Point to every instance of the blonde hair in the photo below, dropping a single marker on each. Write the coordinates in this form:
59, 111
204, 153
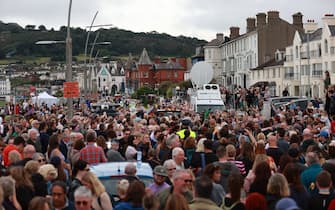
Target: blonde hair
32, 167
14, 156
46, 169
97, 187
122, 188
200, 145
260, 136
278, 185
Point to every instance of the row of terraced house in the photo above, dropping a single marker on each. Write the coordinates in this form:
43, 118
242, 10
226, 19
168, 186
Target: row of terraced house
276, 53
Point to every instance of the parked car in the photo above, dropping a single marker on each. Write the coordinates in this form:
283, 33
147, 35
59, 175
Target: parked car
302, 103
272, 103
111, 173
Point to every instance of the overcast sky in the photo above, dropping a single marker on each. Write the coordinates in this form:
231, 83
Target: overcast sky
195, 18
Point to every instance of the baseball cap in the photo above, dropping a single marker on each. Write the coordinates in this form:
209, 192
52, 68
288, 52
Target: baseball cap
160, 170
287, 204
324, 133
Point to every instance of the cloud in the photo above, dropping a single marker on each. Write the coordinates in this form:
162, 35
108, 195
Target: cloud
196, 18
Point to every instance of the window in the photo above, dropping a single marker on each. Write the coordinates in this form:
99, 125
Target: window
326, 46
333, 67
296, 52
273, 73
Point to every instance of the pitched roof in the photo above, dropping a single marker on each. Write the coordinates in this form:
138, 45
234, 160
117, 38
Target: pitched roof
169, 65
315, 35
217, 42
271, 62
332, 29
130, 64
144, 59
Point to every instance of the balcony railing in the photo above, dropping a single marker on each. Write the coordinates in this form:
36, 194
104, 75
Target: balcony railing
317, 73
315, 54
303, 55
291, 76
289, 57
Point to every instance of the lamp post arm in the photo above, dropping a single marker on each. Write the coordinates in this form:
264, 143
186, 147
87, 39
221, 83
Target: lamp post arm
92, 48
85, 63
88, 35
89, 62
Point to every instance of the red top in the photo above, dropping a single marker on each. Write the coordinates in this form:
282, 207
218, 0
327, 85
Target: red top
8, 148
92, 154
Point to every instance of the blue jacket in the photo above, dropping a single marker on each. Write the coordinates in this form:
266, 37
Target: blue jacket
127, 206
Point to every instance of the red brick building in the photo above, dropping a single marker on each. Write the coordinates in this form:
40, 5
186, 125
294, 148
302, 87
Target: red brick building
145, 72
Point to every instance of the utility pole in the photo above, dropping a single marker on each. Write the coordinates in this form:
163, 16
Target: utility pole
69, 62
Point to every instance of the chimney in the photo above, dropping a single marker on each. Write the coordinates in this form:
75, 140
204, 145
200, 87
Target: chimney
251, 24
328, 19
310, 26
261, 19
273, 17
234, 32
219, 36
157, 60
297, 20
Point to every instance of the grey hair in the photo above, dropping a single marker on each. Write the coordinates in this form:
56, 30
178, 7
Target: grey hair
91, 135
37, 155
30, 131
176, 151
130, 169
177, 174
7, 183
170, 139
83, 191
168, 163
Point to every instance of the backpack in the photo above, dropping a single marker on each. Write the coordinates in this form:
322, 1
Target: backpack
224, 207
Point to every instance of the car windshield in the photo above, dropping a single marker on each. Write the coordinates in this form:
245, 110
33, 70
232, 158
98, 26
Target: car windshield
111, 183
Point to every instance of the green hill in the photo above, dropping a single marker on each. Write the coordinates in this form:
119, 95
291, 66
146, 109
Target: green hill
18, 41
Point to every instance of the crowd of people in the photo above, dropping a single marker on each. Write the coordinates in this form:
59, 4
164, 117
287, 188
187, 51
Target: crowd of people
226, 159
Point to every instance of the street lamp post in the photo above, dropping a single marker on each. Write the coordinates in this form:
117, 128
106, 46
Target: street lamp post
69, 61
85, 64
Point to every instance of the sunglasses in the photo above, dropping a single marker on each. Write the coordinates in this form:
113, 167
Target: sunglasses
41, 160
188, 180
79, 203
170, 169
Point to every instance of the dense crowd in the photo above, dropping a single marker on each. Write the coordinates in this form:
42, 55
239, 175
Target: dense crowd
227, 159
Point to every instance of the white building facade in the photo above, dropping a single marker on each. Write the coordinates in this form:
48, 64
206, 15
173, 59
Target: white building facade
5, 88
213, 56
110, 79
310, 55
238, 57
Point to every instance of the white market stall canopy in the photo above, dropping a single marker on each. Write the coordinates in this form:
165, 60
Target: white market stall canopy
45, 98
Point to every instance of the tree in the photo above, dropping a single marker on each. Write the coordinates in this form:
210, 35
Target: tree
30, 27
163, 87
42, 28
143, 91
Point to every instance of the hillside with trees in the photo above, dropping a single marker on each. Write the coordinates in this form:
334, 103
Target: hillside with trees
18, 41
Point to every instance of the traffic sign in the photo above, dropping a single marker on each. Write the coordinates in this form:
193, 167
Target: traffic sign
71, 90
